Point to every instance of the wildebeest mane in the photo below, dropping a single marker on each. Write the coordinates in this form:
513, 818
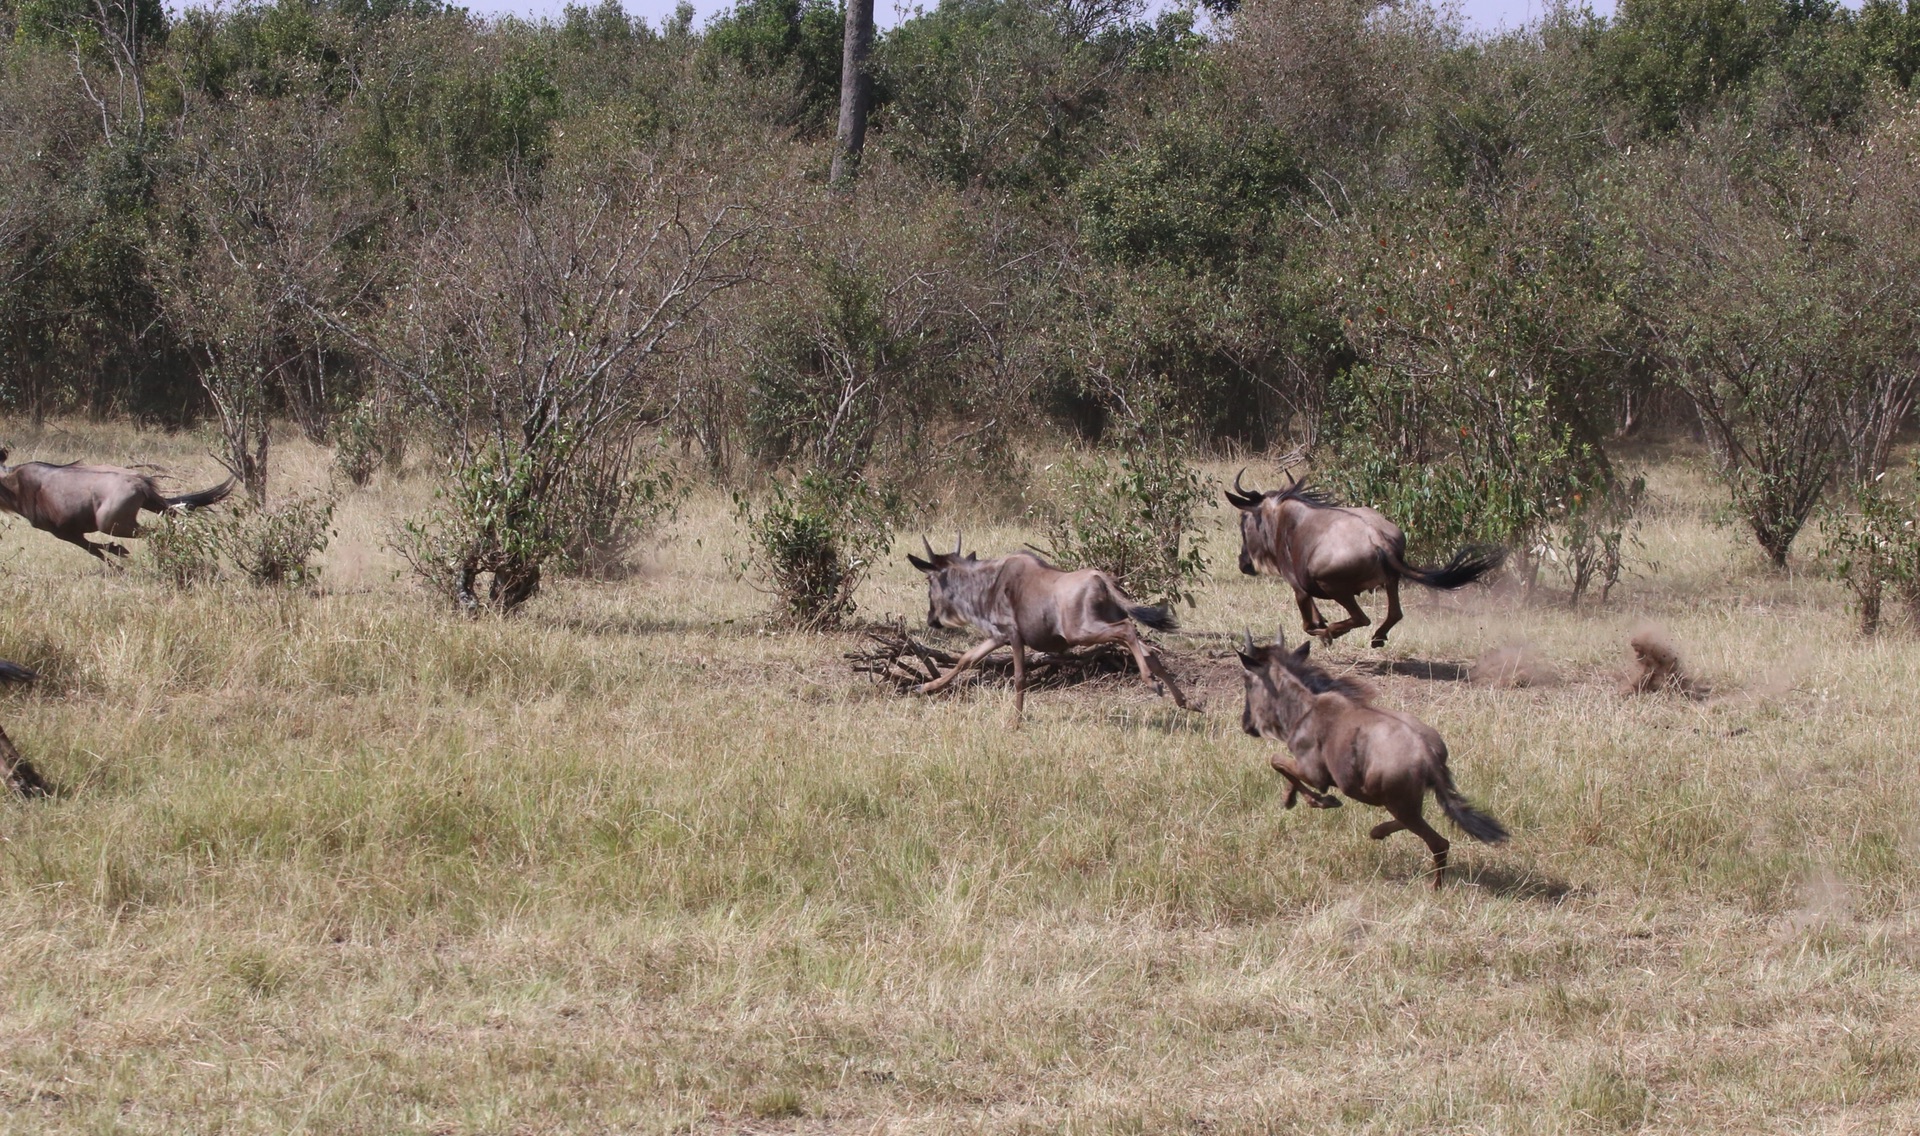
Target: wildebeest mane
1315, 677
1307, 495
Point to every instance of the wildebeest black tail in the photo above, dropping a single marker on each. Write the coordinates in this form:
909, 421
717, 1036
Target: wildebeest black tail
203, 498
14, 672
1466, 566
1158, 618
1460, 811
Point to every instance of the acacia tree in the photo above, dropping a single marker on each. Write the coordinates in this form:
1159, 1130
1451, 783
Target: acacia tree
536, 327
251, 234
1784, 313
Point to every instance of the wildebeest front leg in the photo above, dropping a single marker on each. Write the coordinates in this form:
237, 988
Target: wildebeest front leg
1019, 678
980, 651
1355, 618
1310, 617
1297, 784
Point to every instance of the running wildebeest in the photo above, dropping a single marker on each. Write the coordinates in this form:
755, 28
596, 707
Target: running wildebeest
73, 500
1334, 736
1328, 551
1021, 601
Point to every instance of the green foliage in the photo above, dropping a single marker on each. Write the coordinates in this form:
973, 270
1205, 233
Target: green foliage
365, 437
185, 548
496, 519
273, 546
1133, 517
814, 538
1195, 194
1873, 547
800, 39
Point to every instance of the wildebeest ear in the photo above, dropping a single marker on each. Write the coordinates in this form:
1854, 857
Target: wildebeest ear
973, 556
3, 455
1251, 662
923, 565
1301, 651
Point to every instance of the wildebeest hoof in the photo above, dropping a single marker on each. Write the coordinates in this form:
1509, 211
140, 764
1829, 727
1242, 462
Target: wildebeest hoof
118, 549
1326, 801
1378, 642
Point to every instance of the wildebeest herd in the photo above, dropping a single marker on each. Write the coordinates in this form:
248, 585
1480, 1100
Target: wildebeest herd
1334, 737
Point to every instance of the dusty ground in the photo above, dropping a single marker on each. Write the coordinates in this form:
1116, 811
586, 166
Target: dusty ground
637, 862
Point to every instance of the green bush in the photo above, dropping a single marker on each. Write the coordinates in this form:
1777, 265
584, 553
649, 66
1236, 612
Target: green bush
1132, 518
814, 539
497, 519
185, 549
269, 545
1872, 548
275, 545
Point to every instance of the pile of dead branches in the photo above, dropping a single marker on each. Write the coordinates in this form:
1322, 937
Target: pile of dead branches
891, 655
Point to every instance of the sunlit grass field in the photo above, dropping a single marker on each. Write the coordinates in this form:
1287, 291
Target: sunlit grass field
637, 861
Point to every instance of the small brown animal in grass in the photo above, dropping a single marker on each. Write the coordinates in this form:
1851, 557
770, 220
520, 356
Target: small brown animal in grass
1656, 667
1335, 737
1021, 601
1327, 551
73, 500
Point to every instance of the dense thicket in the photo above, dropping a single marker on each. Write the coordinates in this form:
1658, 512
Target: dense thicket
1455, 266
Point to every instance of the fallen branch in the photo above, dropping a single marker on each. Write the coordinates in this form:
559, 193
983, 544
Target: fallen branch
892, 656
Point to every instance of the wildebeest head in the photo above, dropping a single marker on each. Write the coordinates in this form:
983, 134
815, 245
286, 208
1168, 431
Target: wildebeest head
1280, 681
1265, 524
1253, 522
945, 607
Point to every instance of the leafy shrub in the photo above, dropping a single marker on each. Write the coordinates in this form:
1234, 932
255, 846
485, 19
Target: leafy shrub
1132, 518
366, 437
497, 520
1872, 548
275, 545
185, 549
271, 546
610, 498
814, 539
1588, 541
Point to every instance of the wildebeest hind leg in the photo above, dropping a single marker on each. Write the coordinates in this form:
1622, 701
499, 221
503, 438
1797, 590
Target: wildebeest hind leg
1393, 612
980, 651
1355, 618
97, 550
1436, 843
1151, 668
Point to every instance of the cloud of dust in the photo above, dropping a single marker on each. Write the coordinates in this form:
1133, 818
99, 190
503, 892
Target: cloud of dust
1512, 667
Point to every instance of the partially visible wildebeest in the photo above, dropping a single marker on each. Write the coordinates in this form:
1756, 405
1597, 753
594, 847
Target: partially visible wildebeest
1335, 737
73, 500
1328, 551
1021, 601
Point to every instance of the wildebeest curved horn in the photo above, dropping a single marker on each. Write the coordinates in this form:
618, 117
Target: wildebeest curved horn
1280, 635
1251, 647
956, 542
1240, 497
931, 554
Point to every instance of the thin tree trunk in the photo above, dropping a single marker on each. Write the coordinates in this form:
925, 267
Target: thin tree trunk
856, 91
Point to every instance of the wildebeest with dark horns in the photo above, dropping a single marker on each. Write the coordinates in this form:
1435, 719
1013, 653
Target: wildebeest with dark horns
1328, 551
1021, 601
1334, 736
73, 500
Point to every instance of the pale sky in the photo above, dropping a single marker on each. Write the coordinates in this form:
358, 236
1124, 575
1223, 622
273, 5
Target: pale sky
1483, 15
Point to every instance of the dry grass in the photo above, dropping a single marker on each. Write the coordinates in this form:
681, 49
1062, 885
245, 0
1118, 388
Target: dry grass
635, 863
